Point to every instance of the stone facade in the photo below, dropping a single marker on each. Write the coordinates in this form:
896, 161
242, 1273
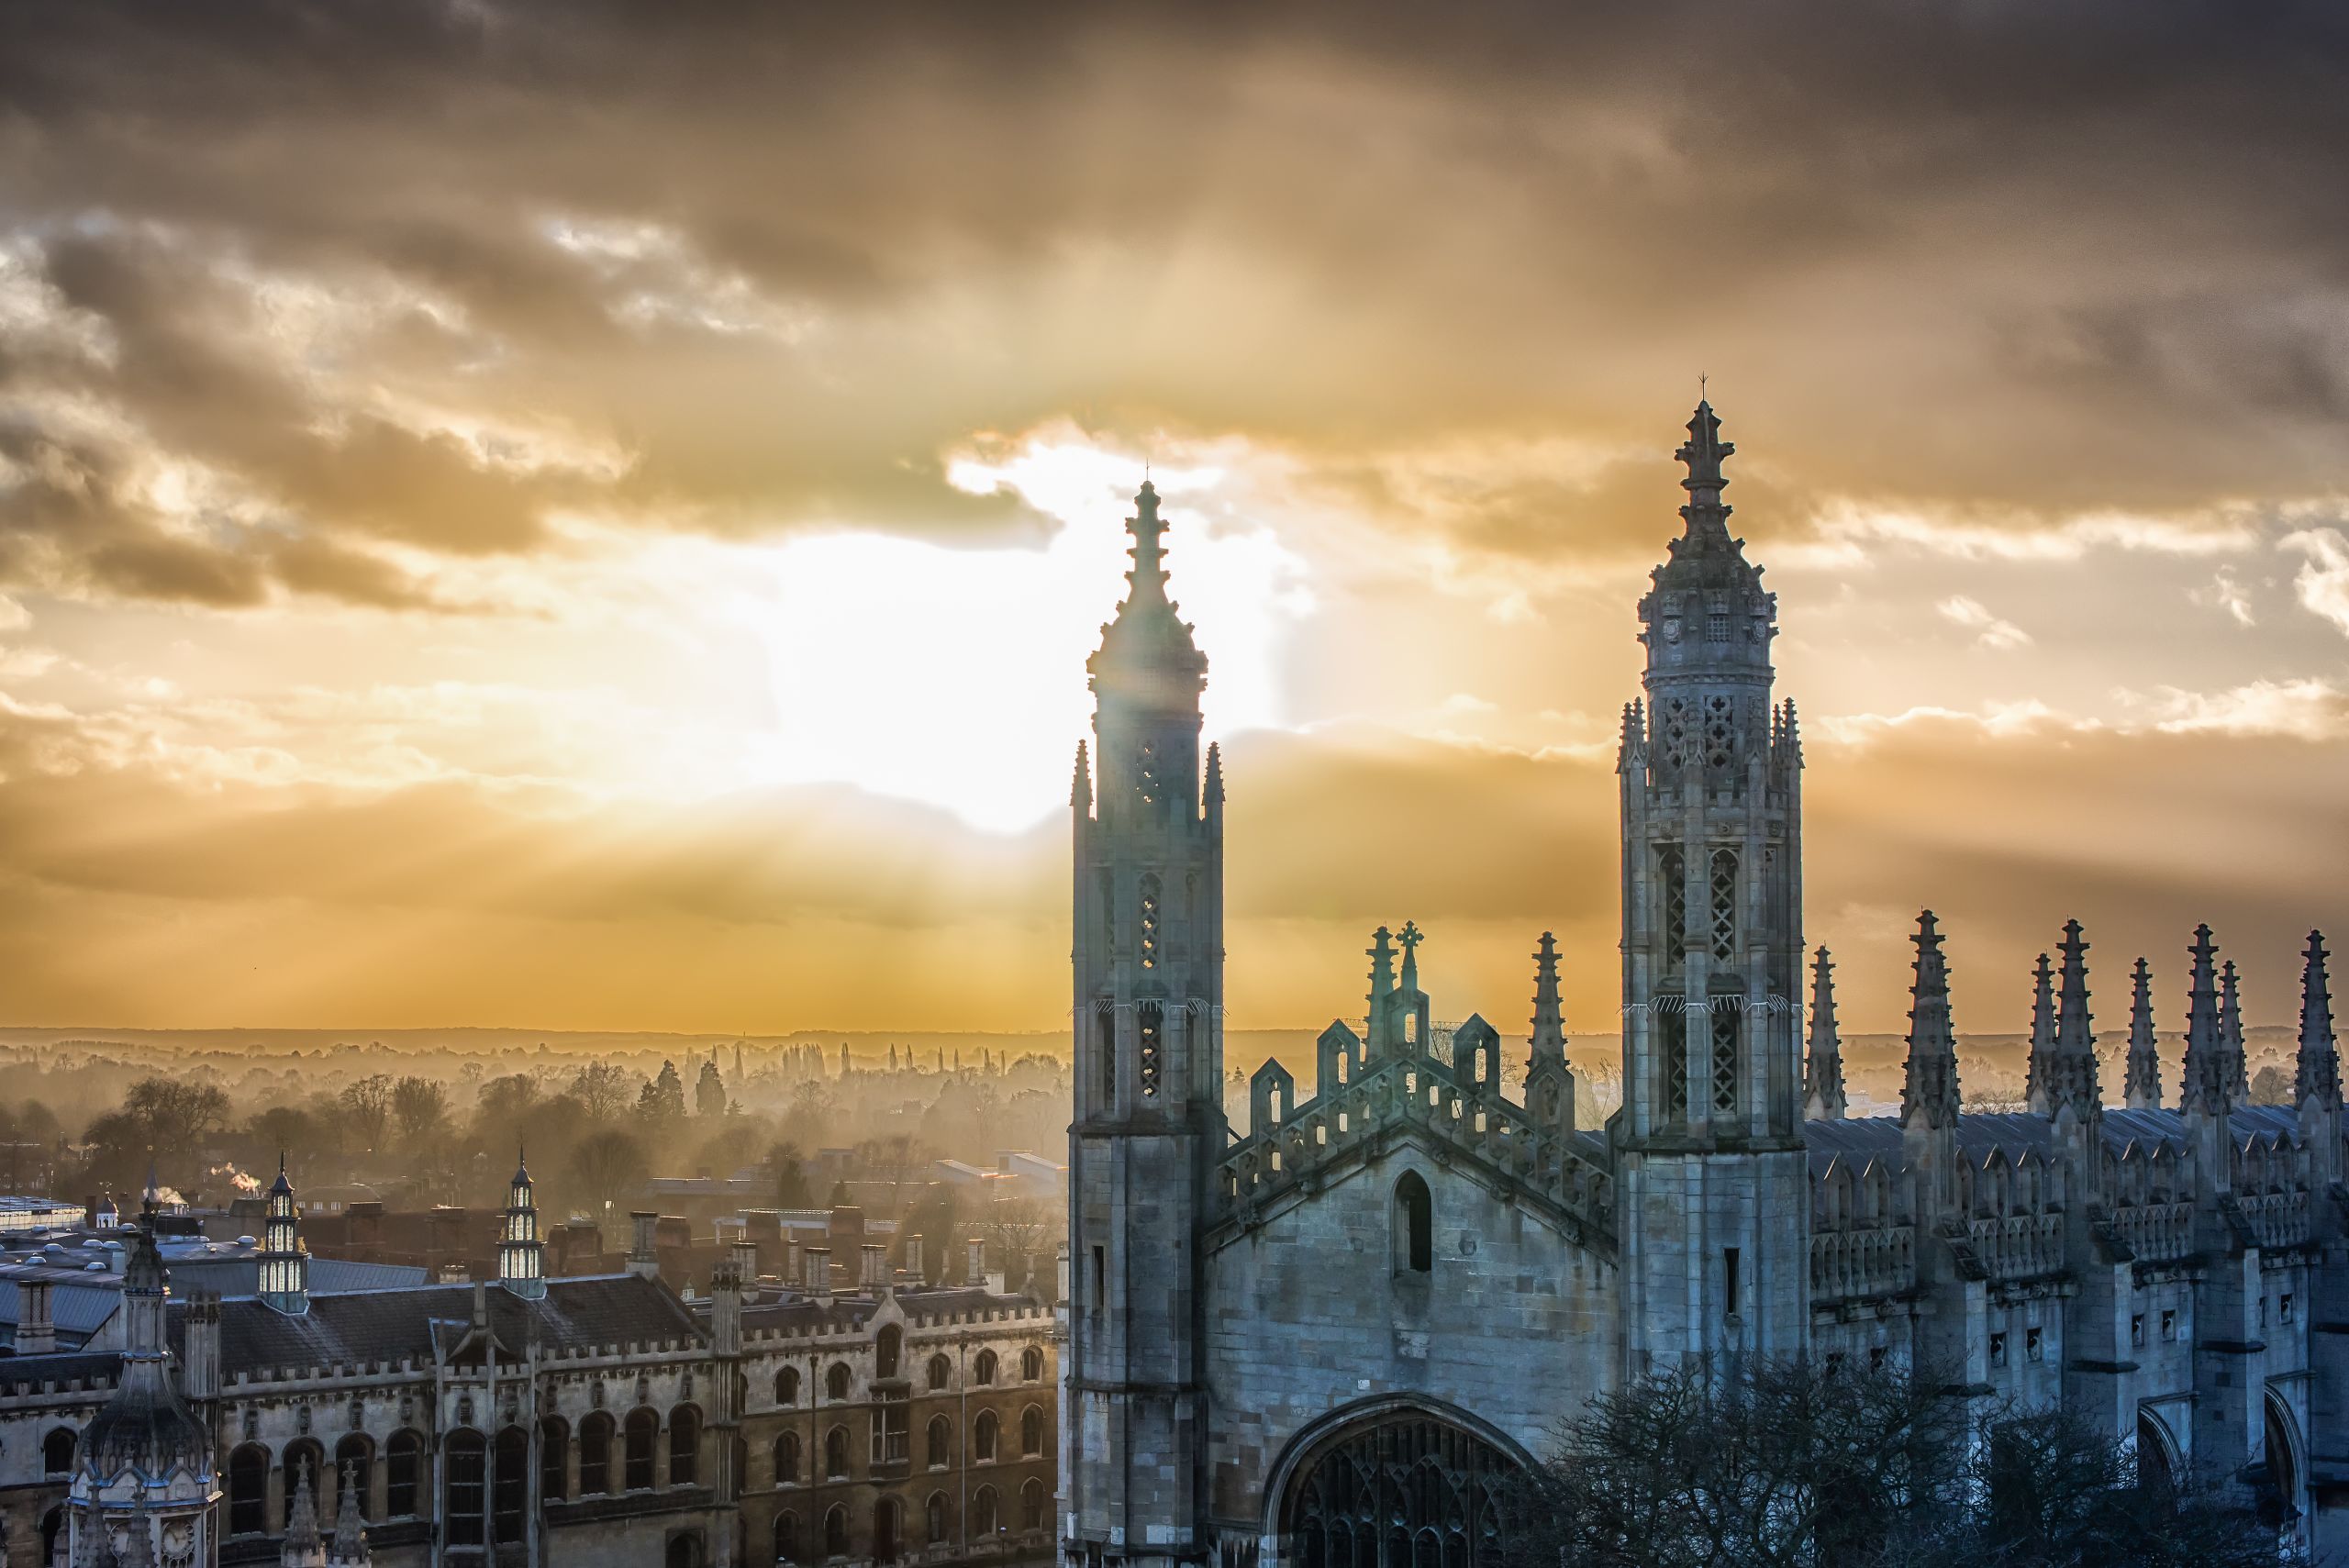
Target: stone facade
598, 1420
1318, 1337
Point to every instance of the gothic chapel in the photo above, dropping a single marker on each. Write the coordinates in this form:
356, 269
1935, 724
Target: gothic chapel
1324, 1338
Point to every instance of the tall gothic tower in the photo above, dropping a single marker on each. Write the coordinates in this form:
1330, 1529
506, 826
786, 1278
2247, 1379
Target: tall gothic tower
1148, 954
1716, 1201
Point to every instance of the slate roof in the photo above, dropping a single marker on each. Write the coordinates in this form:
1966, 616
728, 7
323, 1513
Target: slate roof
793, 1313
329, 1276
1862, 1139
587, 1313
89, 1368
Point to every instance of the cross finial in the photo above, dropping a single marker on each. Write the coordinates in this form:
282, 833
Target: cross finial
1411, 936
1701, 379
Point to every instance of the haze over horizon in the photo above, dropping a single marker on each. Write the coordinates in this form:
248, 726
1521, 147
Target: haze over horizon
516, 515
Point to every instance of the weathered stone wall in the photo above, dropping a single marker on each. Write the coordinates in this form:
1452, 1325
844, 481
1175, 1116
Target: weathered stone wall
1306, 1313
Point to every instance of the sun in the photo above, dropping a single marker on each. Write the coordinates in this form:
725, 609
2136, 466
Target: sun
956, 677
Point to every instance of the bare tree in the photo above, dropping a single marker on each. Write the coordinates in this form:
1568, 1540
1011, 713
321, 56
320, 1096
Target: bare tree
606, 1167
367, 1109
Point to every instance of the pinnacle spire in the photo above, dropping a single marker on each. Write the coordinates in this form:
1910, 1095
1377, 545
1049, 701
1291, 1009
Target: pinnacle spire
350, 1523
2037, 1089
2142, 1086
1080, 783
2230, 1031
1149, 576
1548, 1042
1703, 452
2319, 1069
1215, 773
2071, 1075
1929, 1090
1823, 1096
2207, 1084
302, 1517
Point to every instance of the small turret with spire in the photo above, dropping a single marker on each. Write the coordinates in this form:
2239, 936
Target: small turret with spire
1929, 1093
2317, 1070
2069, 1074
2143, 1085
522, 1256
1547, 1041
2207, 1084
283, 1281
2040, 1072
349, 1548
1823, 1096
304, 1546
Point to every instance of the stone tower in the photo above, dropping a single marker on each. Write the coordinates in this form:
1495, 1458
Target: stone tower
1713, 1179
1148, 955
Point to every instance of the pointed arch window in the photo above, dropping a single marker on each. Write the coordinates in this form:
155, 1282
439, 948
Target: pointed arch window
1153, 893
1672, 1045
1150, 1022
1413, 1223
1724, 892
1672, 876
1728, 1020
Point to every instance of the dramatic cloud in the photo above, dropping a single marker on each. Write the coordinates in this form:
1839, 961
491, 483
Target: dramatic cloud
570, 513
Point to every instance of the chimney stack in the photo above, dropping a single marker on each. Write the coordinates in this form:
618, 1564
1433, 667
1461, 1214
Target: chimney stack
975, 1266
876, 1267
746, 1260
35, 1328
200, 1351
914, 1275
643, 1254
818, 1264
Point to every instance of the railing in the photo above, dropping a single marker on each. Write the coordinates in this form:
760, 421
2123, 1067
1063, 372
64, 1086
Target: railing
2278, 1220
1414, 1090
2022, 1246
2156, 1232
1880, 1260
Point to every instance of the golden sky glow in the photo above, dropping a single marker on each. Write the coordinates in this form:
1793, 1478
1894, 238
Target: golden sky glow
514, 515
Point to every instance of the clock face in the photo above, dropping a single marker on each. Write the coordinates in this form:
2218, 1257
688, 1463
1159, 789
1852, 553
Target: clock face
178, 1536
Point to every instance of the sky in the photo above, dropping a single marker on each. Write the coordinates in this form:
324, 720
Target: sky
592, 515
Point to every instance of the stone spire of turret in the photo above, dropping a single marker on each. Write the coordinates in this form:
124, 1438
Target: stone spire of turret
2317, 1073
1080, 783
2207, 1084
350, 1549
303, 1546
1548, 1040
1409, 938
2142, 1086
1381, 952
1929, 1093
1823, 1078
2231, 1033
2071, 1077
1214, 774
1703, 452
2040, 1071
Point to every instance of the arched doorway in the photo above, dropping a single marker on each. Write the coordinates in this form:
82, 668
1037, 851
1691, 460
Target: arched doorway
1395, 1486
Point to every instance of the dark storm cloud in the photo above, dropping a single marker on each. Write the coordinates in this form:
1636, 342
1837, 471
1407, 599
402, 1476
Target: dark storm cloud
1988, 255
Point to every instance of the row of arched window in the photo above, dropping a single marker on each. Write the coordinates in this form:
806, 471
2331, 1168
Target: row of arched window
614, 1456
938, 1450
839, 1382
889, 1544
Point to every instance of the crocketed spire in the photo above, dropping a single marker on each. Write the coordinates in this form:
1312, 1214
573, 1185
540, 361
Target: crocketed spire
2207, 1085
2319, 1069
2041, 1068
1214, 774
351, 1548
1548, 1040
302, 1518
1080, 783
1928, 1094
2143, 1086
1707, 614
1823, 1079
2231, 1033
1148, 655
2071, 1073
1381, 952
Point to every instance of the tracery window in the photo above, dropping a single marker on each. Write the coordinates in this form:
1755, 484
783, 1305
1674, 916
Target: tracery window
1672, 1044
1724, 891
1153, 891
1672, 876
510, 1494
1403, 1490
786, 1459
466, 1456
1149, 1023
1105, 1047
1031, 1365
786, 1386
1727, 1019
